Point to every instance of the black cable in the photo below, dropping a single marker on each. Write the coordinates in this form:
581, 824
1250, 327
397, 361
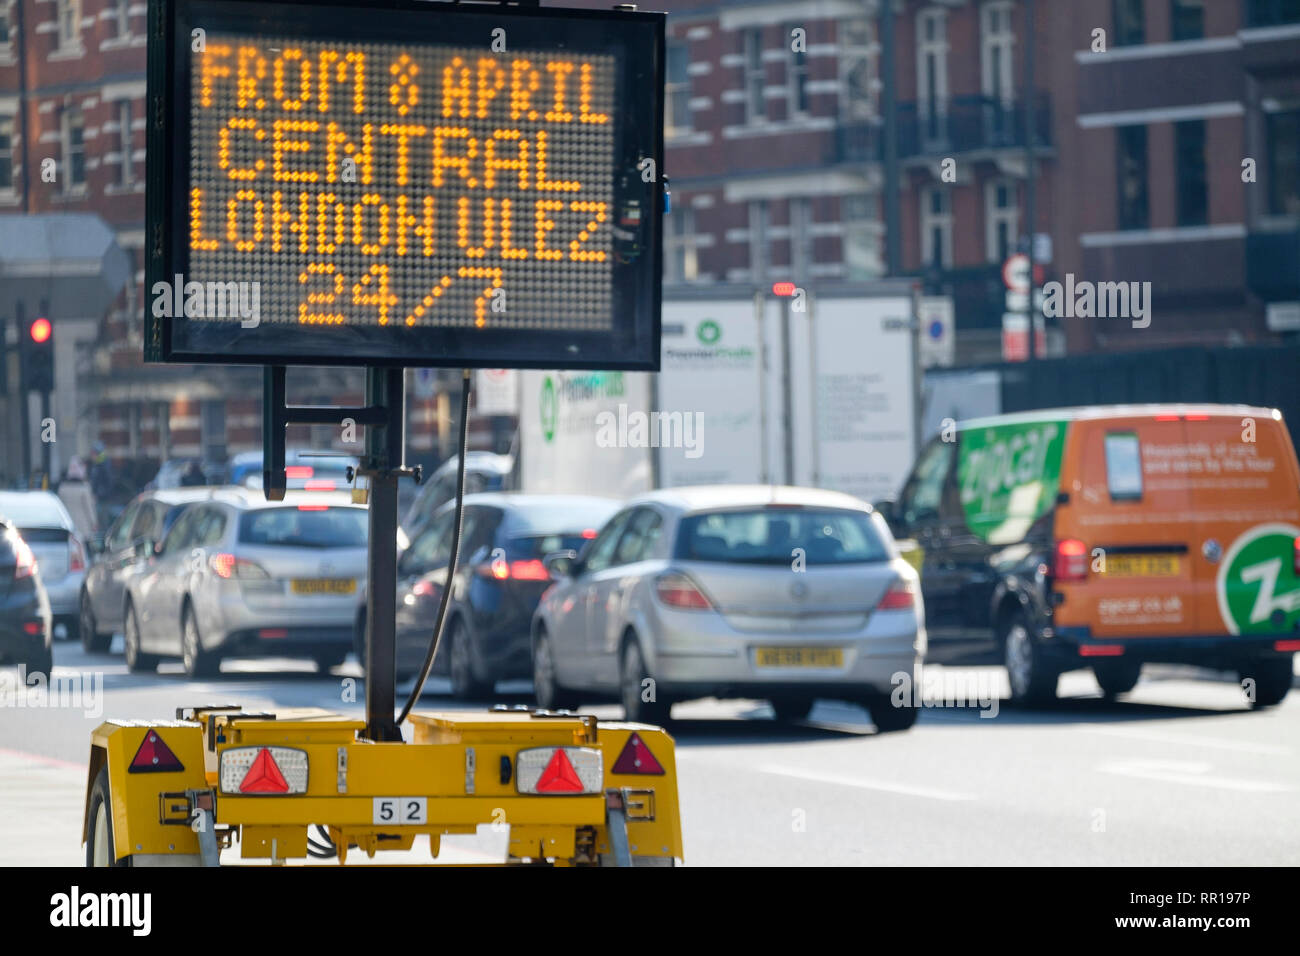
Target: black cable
455, 550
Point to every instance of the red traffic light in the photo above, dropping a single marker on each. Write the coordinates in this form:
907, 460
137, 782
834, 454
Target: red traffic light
40, 330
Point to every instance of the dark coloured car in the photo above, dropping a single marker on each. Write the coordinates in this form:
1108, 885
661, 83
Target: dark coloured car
500, 579
484, 471
26, 627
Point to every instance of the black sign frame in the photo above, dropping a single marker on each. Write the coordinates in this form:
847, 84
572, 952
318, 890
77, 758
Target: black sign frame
633, 341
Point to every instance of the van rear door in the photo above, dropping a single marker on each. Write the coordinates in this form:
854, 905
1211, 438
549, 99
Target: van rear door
1130, 503
1245, 490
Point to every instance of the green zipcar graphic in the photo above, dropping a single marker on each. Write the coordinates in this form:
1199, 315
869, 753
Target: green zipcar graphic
1008, 476
1257, 587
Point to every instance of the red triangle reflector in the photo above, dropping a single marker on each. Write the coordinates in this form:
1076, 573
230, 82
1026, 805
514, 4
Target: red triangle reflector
154, 756
264, 776
559, 776
636, 758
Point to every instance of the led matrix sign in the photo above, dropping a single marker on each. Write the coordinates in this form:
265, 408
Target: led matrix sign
405, 184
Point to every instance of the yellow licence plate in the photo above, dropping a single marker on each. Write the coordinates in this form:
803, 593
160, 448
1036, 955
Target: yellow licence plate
799, 657
1142, 566
324, 585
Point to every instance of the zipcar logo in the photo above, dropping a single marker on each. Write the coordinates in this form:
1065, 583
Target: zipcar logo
1257, 587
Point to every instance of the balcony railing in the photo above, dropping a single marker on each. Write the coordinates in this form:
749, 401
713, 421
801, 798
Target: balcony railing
957, 125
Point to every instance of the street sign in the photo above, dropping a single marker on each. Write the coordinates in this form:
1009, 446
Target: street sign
1015, 337
938, 340
1015, 272
404, 183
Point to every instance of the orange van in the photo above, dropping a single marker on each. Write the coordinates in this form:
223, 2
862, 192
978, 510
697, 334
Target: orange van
1109, 537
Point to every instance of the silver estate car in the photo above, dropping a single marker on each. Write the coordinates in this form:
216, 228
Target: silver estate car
787, 594
239, 576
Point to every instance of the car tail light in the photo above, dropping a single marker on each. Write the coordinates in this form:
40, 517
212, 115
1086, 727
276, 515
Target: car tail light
559, 770
313, 507
269, 771
635, 757
678, 590
901, 596
1071, 560
589, 533
318, 484
154, 756
229, 566
503, 570
26, 561
32, 628
76, 555
424, 588
298, 471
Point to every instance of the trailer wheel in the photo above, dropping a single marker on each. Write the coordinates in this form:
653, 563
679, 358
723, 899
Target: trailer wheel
99, 825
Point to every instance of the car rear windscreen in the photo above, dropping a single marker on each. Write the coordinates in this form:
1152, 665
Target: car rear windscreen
780, 536
305, 526
540, 545
559, 517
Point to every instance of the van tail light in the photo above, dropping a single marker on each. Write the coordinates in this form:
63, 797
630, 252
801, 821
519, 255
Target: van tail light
901, 596
1071, 560
678, 590
500, 569
76, 555
1295, 556
25, 565
228, 566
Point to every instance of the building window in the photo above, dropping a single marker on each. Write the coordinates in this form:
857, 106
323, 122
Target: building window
124, 141
677, 89
1189, 168
1283, 131
997, 37
681, 259
863, 231
74, 148
936, 228
755, 107
796, 75
122, 17
1001, 220
800, 237
1187, 19
6, 154
4, 23
858, 69
932, 71
1130, 29
758, 258
69, 13
1271, 13
1131, 176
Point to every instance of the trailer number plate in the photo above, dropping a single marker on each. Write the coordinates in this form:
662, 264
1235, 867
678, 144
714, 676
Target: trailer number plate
401, 810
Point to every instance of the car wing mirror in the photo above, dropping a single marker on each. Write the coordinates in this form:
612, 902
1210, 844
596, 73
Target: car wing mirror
561, 564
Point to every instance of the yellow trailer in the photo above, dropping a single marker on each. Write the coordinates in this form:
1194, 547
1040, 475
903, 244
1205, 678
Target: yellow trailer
286, 786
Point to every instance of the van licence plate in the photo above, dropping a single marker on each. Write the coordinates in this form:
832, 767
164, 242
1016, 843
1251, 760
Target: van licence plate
1142, 566
799, 657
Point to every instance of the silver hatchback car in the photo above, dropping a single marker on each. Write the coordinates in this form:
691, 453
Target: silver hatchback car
788, 594
241, 576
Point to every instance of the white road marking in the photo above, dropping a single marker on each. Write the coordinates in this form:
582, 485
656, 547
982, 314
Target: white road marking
1185, 772
1222, 743
883, 785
